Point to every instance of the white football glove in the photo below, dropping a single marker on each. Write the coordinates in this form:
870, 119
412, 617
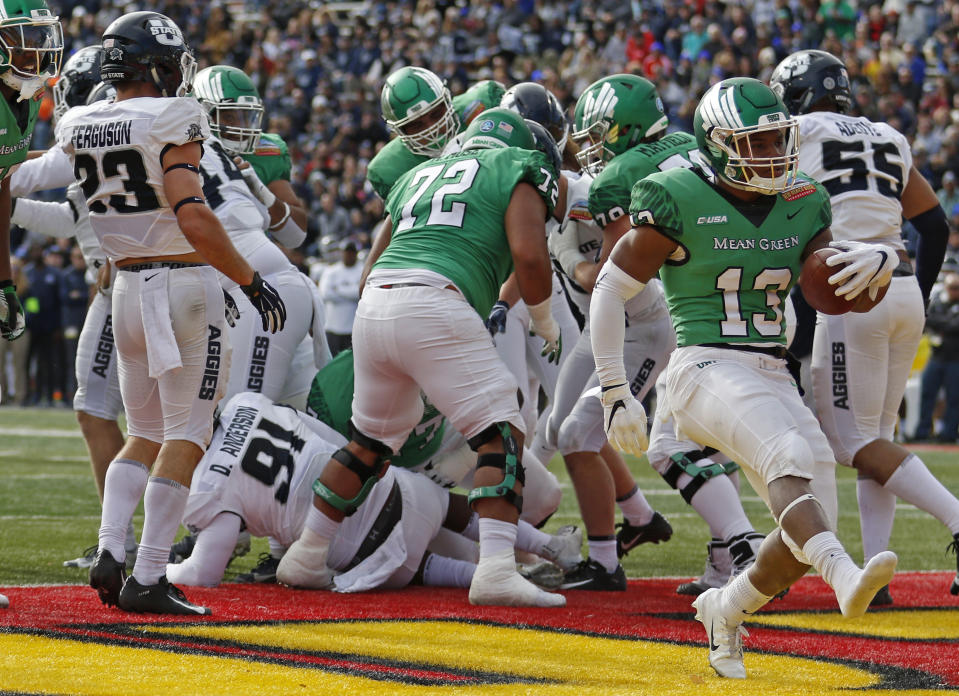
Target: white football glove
257, 187
624, 420
552, 340
867, 266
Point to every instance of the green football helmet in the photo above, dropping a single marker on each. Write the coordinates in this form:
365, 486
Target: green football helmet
727, 119
496, 128
233, 106
31, 45
413, 93
613, 115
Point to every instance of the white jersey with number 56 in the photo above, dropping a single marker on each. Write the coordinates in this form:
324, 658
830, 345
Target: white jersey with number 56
864, 167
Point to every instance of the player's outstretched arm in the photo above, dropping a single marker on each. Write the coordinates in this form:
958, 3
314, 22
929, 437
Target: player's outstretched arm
214, 547
526, 233
202, 228
920, 206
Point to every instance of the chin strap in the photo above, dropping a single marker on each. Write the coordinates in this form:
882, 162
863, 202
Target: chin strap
27, 87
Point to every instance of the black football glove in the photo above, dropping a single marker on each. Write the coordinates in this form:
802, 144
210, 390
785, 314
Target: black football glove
12, 322
496, 322
267, 301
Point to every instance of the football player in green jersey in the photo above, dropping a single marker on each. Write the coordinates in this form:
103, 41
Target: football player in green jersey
418, 108
621, 121
235, 110
456, 228
31, 46
728, 242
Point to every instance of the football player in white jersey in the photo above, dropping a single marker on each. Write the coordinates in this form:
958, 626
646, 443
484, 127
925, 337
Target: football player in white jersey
138, 163
258, 472
861, 360
97, 401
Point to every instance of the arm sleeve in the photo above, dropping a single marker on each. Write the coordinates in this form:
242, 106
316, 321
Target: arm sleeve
563, 244
44, 217
49, 171
933, 231
214, 546
607, 321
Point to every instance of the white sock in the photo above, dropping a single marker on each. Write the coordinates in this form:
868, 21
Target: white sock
740, 598
495, 537
320, 524
471, 531
528, 538
123, 488
915, 484
717, 502
440, 571
163, 504
276, 549
636, 509
603, 551
877, 510
130, 543
827, 555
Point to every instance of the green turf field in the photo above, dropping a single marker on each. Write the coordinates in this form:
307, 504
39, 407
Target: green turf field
49, 510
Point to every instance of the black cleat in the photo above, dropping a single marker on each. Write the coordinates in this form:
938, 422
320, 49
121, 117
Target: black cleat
265, 570
106, 577
654, 531
882, 598
181, 550
591, 575
162, 598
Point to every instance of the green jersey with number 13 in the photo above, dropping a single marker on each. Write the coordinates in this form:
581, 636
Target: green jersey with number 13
737, 260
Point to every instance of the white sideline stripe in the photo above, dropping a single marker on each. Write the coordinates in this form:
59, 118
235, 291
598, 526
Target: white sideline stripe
48, 518
40, 432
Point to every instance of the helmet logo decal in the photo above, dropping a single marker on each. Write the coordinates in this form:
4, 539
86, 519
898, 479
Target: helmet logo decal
828, 83
505, 127
165, 32
601, 104
487, 126
116, 54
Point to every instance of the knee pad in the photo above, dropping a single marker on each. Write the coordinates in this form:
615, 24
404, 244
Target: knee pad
507, 461
696, 464
368, 475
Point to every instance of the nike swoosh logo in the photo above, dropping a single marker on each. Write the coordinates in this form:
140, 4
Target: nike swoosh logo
790, 216
571, 585
712, 643
146, 278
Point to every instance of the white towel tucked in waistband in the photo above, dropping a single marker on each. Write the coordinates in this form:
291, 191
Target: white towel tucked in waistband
163, 353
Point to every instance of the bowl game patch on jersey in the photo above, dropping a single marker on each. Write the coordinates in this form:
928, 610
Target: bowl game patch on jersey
797, 192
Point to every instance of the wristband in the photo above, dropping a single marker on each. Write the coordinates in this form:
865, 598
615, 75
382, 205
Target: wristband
540, 313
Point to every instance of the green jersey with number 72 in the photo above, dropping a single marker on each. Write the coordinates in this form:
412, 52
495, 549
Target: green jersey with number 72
736, 262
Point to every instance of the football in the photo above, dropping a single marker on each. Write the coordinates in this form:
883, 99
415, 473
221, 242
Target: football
864, 304
814, 282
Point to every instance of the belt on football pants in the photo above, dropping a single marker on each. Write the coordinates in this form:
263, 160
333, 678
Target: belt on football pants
382, 526
389, 286
781, 352
903, 269
153, 265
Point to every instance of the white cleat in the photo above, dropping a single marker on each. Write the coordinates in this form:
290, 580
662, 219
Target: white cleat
4, 602
854, 601
725, 641
565, 547
304, 563
497, 583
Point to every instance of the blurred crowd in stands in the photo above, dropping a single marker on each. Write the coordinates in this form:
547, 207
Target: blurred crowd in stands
319, 67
